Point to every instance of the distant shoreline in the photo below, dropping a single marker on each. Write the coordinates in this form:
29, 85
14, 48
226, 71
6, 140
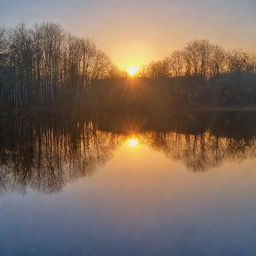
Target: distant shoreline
231, 108
164, 110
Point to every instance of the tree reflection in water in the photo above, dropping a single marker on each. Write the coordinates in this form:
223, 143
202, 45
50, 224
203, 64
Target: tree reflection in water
45, 153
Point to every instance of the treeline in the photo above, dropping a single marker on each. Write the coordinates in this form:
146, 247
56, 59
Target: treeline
203, 59
205, 73
45, 65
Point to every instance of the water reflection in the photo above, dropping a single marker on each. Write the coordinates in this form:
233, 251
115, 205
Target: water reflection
45, 153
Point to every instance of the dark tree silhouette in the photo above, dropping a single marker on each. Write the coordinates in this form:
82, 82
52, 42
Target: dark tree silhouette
45, 65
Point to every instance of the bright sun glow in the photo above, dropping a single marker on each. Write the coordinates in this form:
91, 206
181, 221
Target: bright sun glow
133, 142
133, 70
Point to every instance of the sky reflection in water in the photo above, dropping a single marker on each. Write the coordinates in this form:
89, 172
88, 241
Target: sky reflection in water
143, 197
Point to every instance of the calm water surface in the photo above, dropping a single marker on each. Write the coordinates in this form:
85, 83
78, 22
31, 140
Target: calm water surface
183, 186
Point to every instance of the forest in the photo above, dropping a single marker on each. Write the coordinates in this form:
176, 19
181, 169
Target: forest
44, 66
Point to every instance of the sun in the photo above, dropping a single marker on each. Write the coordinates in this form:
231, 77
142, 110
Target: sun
133, 142
132, 70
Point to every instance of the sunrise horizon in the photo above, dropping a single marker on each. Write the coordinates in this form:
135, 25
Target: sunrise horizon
127, 30
127, 127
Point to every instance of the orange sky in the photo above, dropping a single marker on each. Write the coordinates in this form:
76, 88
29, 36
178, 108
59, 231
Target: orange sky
136, 32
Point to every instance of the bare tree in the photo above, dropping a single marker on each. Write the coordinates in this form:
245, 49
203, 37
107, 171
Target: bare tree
218, 61
45, 63
175, 62
239, 61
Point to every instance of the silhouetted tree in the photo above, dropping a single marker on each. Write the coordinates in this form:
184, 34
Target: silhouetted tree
44, 64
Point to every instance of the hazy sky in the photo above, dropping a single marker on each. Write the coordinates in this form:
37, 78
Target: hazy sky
139, 31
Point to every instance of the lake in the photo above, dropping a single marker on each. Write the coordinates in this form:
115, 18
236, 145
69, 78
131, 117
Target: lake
115, 184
